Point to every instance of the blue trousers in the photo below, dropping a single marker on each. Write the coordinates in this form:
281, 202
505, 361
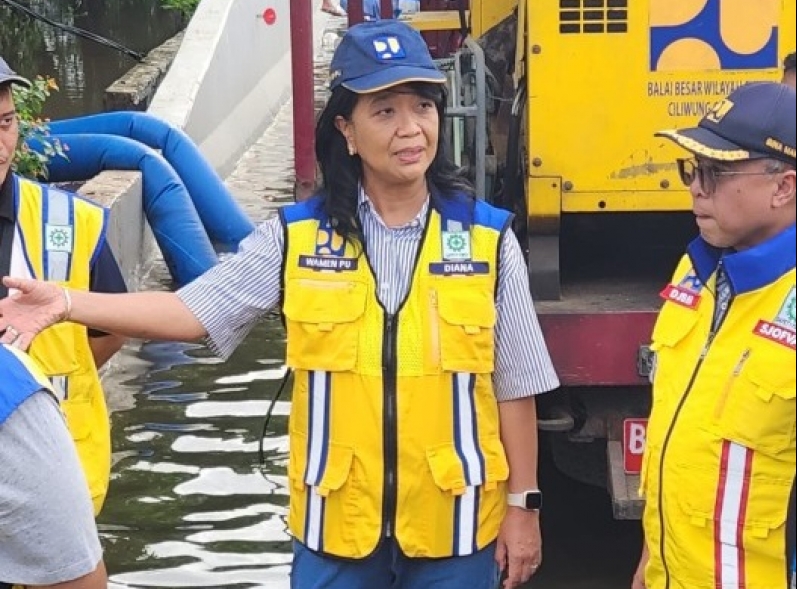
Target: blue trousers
388, 568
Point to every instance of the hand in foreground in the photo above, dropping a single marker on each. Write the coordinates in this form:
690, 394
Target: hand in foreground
36, 306
519, 548
638, 581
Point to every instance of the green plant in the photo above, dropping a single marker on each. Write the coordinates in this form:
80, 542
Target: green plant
33, 163
185, 7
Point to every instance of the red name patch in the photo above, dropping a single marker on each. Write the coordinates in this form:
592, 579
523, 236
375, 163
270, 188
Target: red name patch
680, 296
776, 333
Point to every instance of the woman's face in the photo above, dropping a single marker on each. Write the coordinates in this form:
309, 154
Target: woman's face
395, 133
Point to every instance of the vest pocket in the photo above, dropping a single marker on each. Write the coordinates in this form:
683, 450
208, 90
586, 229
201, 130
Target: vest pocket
756, 407
323, 320
54, 350
466, 329
454, 469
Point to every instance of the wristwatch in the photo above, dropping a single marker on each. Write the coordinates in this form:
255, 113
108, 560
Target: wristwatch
530, 500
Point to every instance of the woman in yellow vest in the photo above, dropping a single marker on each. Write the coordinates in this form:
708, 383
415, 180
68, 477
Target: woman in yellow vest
411, 333
719, 466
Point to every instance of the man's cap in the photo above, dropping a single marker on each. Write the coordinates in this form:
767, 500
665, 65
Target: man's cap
757, 120
9, 75
376, 55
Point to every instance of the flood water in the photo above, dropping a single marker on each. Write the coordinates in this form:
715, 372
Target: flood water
81, 68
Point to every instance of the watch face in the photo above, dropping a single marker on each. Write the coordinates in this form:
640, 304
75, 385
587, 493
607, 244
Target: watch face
533, 500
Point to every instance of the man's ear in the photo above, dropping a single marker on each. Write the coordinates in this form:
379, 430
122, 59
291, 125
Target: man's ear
785, 194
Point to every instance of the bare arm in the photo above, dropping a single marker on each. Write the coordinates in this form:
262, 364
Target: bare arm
144, 315
519, 548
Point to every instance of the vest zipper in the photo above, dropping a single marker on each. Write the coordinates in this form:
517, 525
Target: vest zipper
390, 441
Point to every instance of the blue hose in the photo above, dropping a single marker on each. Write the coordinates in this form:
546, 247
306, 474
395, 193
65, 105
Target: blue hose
168, 207
223, 219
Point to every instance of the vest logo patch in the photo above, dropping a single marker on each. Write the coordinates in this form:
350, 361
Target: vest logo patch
787, 315
781, 330
328, 263
456, 245
459, 268
58, 238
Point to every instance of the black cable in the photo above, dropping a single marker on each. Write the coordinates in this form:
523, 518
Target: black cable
261, 456
75, 30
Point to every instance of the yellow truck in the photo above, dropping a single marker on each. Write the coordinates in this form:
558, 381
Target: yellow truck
554, 108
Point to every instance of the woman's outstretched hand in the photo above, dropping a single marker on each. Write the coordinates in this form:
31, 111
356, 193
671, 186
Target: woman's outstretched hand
33, 308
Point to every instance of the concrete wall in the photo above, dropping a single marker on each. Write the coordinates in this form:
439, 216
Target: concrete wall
129, 235
229, 78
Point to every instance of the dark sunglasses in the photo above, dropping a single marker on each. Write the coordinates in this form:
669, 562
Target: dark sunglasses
707, 174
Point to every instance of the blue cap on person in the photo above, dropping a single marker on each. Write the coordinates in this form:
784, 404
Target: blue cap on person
757, 120
9, 75
373, 56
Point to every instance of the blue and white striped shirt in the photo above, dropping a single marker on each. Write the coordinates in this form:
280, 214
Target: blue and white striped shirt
230, 298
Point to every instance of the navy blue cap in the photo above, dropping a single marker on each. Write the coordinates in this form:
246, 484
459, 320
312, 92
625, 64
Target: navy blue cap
757, 120
376, 55
9, 75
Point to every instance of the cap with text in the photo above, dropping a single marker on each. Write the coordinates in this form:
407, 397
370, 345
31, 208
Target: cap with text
757, 120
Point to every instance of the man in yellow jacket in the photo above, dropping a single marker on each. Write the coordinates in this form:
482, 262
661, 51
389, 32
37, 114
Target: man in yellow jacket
719, 467
53, 235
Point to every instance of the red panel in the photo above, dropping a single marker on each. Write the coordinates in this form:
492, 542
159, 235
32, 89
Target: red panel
597, 349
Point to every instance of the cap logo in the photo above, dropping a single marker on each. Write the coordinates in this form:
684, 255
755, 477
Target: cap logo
718, 112
388, 48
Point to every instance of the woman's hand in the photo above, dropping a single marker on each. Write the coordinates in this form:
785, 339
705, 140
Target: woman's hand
519, 548
36, 306
638, 581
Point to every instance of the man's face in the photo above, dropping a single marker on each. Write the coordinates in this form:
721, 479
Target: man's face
733, 202
9, 131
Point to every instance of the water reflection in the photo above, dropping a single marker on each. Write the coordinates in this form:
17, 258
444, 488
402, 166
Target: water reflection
188, 505
82, 68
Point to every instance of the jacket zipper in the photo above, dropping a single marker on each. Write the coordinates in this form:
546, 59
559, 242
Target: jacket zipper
703, 353
389, 435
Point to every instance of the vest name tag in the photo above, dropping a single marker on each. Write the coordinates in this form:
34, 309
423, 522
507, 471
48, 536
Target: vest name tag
776, 333
328, 263
459, 268
680, 296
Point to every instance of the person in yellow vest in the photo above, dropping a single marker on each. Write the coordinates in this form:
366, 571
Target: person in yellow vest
50, 234
719, 464
48, 536
411, 333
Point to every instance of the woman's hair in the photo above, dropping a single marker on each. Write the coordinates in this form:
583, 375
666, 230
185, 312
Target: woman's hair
341, 173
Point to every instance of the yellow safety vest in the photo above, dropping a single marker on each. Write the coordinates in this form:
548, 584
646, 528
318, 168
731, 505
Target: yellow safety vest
394, 426
61, 233
720, 456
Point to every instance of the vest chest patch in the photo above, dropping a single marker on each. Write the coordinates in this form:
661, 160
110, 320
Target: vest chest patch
459, 268
781, 330
328, 263
58, 238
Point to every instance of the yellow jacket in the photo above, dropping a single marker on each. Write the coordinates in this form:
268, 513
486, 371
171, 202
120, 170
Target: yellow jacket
61, 233
394, 425
720, 456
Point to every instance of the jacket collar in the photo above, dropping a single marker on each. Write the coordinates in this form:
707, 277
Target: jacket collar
749, 269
